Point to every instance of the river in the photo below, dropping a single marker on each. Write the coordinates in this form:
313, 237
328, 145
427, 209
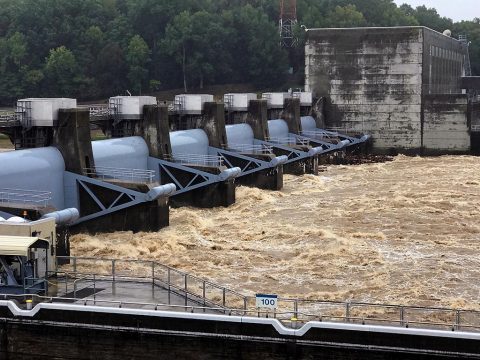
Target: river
405, 232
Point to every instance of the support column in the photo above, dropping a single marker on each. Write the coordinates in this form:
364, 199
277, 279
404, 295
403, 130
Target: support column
291, 115
213, 123
154, 129
72, 138
257, 118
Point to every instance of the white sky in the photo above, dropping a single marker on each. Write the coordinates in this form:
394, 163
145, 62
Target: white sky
454, 9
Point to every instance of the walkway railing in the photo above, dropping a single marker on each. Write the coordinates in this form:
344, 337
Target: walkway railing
190, 287
39, 199
291, 140
120, 174
209, 295
475, 128
9, 118
195, 159
97, 111
320, 134
251, 149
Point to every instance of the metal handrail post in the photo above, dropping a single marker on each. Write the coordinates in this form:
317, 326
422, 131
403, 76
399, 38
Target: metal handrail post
168, 282
457, 319
113, 270
204, 291
153, 273
347, 311
75, 265
186, 289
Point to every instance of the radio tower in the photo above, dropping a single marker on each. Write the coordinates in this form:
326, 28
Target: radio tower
287, 22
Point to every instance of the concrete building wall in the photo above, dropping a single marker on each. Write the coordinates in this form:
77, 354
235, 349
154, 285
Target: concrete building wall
443, 64
374, 80
445, 128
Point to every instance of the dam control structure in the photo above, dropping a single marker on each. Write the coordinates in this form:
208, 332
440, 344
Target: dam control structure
401, 85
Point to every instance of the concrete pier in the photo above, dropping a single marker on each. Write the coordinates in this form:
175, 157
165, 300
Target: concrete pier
291, 115
257, 118
72, 137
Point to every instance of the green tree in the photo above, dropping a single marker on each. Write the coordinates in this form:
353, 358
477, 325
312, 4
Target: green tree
138, 57
346, 16
60, 72
110, 70
429, 17
177, 37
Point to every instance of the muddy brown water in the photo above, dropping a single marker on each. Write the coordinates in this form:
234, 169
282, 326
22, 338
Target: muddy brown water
406, 232
5, 144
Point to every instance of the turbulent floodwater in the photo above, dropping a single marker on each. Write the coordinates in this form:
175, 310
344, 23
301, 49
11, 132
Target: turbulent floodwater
406, 232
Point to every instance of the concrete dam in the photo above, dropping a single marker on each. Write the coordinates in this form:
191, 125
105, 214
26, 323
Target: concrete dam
215, 229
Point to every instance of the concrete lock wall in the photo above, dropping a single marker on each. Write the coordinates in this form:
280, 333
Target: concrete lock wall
375, 80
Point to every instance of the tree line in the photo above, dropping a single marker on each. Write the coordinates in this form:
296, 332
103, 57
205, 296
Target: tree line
90, 49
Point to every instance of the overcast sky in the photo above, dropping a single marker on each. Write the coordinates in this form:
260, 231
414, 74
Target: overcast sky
453, 9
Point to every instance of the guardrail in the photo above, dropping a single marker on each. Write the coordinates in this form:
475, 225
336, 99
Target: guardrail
251, 149
9, 118
120, 174
320, 134
475, 128
195, 159
219, 298
40, 199
97, 111
291, 140
171, 279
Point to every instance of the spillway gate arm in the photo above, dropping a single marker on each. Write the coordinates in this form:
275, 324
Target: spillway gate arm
95, 198
184, 177
247, 164
291, 153
326, 146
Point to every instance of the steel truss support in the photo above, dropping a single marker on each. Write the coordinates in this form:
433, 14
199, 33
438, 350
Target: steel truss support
247, 164
188, 178
94, 198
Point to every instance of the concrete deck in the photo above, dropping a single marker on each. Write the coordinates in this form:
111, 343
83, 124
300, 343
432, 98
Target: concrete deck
126, 294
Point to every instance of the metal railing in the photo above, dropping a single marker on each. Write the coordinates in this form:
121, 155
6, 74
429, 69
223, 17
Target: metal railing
290, 140
39, 199
475, 128
288, 318
251, 149
190, 287
228, 100
97, 111
9, 118
120, 174
195, 159
179, 104
319, 134
209, 295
